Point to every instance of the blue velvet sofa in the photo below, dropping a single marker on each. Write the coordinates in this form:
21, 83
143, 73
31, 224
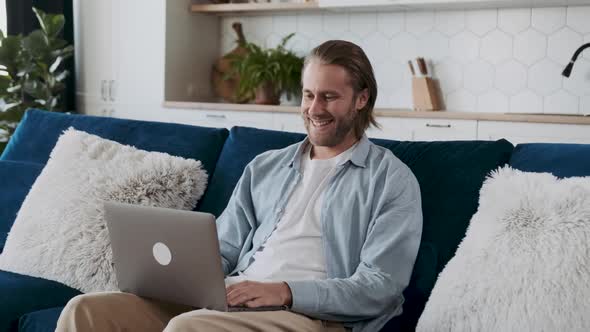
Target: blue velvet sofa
450, 176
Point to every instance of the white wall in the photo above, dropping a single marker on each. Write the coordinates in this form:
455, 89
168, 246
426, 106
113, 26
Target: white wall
3, 16
507, 60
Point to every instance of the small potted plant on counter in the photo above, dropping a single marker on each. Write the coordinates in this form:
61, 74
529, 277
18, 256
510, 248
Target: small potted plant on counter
267, 73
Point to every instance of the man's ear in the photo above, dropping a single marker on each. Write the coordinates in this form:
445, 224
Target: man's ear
362, 99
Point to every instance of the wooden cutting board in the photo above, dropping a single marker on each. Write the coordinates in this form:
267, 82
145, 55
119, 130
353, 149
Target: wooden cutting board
227, 88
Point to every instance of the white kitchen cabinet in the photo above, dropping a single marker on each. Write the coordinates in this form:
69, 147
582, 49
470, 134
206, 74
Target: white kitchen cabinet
119, 54
292, 122
230, 119
92, 105
441, 129
138, 52
391, 128
522, 132
93, 29
407, 129
220, 119
402, 129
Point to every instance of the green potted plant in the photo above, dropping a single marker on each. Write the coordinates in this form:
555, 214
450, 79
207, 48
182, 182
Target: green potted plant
31, 72
267, 73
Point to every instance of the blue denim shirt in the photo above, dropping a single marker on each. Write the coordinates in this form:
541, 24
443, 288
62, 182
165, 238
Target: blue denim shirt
371, 221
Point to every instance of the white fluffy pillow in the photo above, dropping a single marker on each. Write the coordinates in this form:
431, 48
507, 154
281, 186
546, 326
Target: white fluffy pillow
524, 264
60, 232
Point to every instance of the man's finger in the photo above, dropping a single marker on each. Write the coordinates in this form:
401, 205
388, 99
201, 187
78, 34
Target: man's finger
242, 295
258, 302
235, 286
235, 295
242, 299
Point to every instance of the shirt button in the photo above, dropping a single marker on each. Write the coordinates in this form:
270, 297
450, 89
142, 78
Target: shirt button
280, 210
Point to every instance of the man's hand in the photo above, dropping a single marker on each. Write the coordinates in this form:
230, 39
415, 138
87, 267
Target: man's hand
254, 294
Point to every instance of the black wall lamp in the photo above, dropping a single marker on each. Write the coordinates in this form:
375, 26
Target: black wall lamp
568, 69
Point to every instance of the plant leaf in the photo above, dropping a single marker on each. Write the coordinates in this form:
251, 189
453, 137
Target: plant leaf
9, 53
51, 24
62, 76
36, 43
40, 18
56, 25
7, 107
55, 64
14, 88
36, 89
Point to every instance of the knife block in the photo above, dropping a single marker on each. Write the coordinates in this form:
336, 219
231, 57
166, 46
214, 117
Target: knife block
425, 94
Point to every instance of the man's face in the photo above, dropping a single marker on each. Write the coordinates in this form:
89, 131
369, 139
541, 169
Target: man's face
328, 106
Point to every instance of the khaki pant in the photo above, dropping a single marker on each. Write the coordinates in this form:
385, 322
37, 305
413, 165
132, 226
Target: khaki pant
127, 312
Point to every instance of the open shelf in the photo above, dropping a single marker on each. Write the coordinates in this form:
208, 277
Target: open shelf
252, 7
374, 5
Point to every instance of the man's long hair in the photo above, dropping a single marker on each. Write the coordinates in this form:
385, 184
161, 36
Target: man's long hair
354, 60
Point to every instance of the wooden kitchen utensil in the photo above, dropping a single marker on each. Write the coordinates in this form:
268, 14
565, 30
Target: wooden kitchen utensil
425, 92
227, 88
411, 68
422, 66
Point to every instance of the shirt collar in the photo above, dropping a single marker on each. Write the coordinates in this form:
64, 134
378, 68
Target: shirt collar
358, 156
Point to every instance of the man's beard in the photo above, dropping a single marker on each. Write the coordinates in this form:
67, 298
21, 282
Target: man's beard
343, 126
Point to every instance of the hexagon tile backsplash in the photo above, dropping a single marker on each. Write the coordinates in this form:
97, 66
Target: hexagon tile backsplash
505, 60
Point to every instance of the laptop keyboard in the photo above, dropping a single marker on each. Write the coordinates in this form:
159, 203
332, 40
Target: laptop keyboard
242, 308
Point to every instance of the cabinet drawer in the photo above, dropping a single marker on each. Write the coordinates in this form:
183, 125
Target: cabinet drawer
391, 128
292, 122
222, 119
523, 132
91, 105
230, 119
441, 129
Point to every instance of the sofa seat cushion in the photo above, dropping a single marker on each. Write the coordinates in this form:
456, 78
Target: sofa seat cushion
40, 321
16, 179
20, 294
562, 160
38, 132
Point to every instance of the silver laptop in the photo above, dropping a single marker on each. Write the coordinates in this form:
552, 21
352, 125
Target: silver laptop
168, 255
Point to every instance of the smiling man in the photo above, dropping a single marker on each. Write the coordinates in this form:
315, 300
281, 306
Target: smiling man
329, 227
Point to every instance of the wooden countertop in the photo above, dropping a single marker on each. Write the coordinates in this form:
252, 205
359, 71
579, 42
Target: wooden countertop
400, 113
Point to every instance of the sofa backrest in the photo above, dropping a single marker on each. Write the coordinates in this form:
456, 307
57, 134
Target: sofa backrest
16, 178
242, 145
563, 160
38, 132
450, 175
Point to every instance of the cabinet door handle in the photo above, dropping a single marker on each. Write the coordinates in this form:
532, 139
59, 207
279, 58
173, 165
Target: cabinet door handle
103, 90
112, 90
438, 125
215, 116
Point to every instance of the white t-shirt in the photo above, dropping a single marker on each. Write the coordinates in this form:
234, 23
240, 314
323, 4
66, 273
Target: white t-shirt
294, 250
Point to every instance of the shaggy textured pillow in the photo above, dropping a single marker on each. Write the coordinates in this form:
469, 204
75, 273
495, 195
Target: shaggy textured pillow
524, 263
60, 232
